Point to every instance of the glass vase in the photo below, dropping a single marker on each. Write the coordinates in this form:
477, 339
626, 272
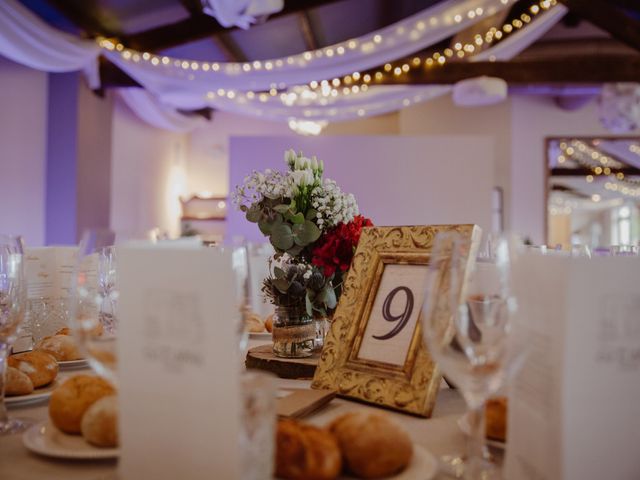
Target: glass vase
294, 333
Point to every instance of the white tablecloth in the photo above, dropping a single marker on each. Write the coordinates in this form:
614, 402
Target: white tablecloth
440, 435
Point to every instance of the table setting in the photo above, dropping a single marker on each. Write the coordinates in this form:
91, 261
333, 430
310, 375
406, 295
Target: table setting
400, 352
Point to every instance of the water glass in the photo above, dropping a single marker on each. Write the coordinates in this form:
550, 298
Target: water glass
467, 323
13, 304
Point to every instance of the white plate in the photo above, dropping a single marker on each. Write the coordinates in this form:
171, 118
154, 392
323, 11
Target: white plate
38, 395
73, 364
463, 424
260, 335
45, 439
423, 466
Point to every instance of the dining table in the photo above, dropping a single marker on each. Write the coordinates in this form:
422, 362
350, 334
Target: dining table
440, 435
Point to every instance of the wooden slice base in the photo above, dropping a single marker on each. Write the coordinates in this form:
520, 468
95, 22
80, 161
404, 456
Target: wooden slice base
262, 358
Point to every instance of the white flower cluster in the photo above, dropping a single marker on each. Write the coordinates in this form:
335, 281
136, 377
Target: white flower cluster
270, 184
333, 205
303, 172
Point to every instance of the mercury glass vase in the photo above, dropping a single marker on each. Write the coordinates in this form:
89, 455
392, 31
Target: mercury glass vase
294, 333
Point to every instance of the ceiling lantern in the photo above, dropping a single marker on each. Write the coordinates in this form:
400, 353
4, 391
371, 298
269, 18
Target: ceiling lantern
479, 92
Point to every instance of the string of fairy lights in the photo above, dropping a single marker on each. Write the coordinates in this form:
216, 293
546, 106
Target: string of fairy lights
601, 166
324, 91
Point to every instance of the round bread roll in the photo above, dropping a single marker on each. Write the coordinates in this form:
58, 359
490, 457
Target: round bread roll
62, 347
253, 323
268, 323
99, 424
72, 399
305, 452
372, 445
17, 383
496, 419
40, 367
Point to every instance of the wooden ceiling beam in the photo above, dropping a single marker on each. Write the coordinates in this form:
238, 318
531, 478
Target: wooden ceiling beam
87, 17
583, 172
200, 26
612, 20
579, 70
308, 32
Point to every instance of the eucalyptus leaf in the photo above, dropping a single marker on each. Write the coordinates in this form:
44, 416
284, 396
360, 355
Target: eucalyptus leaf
265, 227
279, 273
312, 213
306, 233
297, 218
254, 214
282, 236
281, 208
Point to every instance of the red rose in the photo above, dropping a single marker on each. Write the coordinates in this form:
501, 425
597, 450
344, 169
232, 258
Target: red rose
336, 247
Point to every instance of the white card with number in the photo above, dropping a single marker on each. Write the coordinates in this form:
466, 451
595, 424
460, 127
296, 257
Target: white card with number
178, 364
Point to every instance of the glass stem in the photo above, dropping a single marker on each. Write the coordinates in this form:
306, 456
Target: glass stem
4, 350
476, 444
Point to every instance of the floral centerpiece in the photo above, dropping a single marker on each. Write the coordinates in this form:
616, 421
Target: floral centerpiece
314, 228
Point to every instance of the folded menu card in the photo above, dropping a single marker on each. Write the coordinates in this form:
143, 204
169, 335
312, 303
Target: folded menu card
49, 271
178, 364
574, 407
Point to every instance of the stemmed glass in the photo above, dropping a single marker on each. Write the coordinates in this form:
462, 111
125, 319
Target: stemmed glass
467, 325
95, 298
13, 302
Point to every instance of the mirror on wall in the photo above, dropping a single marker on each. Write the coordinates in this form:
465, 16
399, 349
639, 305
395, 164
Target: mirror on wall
593, 192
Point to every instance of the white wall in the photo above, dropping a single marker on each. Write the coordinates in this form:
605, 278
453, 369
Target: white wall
148, 174
23, 139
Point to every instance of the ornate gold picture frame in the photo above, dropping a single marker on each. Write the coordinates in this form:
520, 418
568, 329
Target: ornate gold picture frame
374, 351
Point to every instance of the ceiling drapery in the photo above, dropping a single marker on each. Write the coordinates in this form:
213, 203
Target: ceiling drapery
190, 85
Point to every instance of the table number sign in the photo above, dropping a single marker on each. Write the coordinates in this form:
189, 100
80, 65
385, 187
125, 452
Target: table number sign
374, 351
574, 406
178, 363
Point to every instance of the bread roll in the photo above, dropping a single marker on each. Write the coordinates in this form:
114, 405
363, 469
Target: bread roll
372, 445
496, 419
253, 323
17, 383
99, 424
304, 452
268, 323
72, 399
39, 366
62, 347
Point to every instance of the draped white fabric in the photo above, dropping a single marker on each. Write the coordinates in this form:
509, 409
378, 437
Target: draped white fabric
387, 98
26, 39
151, 111
175, 80
240, 13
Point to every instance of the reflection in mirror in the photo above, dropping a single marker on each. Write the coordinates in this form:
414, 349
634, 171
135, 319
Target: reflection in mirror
593, 192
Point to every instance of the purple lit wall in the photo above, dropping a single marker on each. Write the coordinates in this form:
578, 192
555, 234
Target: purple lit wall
62, 157
398, 180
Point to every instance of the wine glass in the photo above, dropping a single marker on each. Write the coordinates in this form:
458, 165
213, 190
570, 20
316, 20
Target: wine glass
13, 302
467, 319
95, 302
